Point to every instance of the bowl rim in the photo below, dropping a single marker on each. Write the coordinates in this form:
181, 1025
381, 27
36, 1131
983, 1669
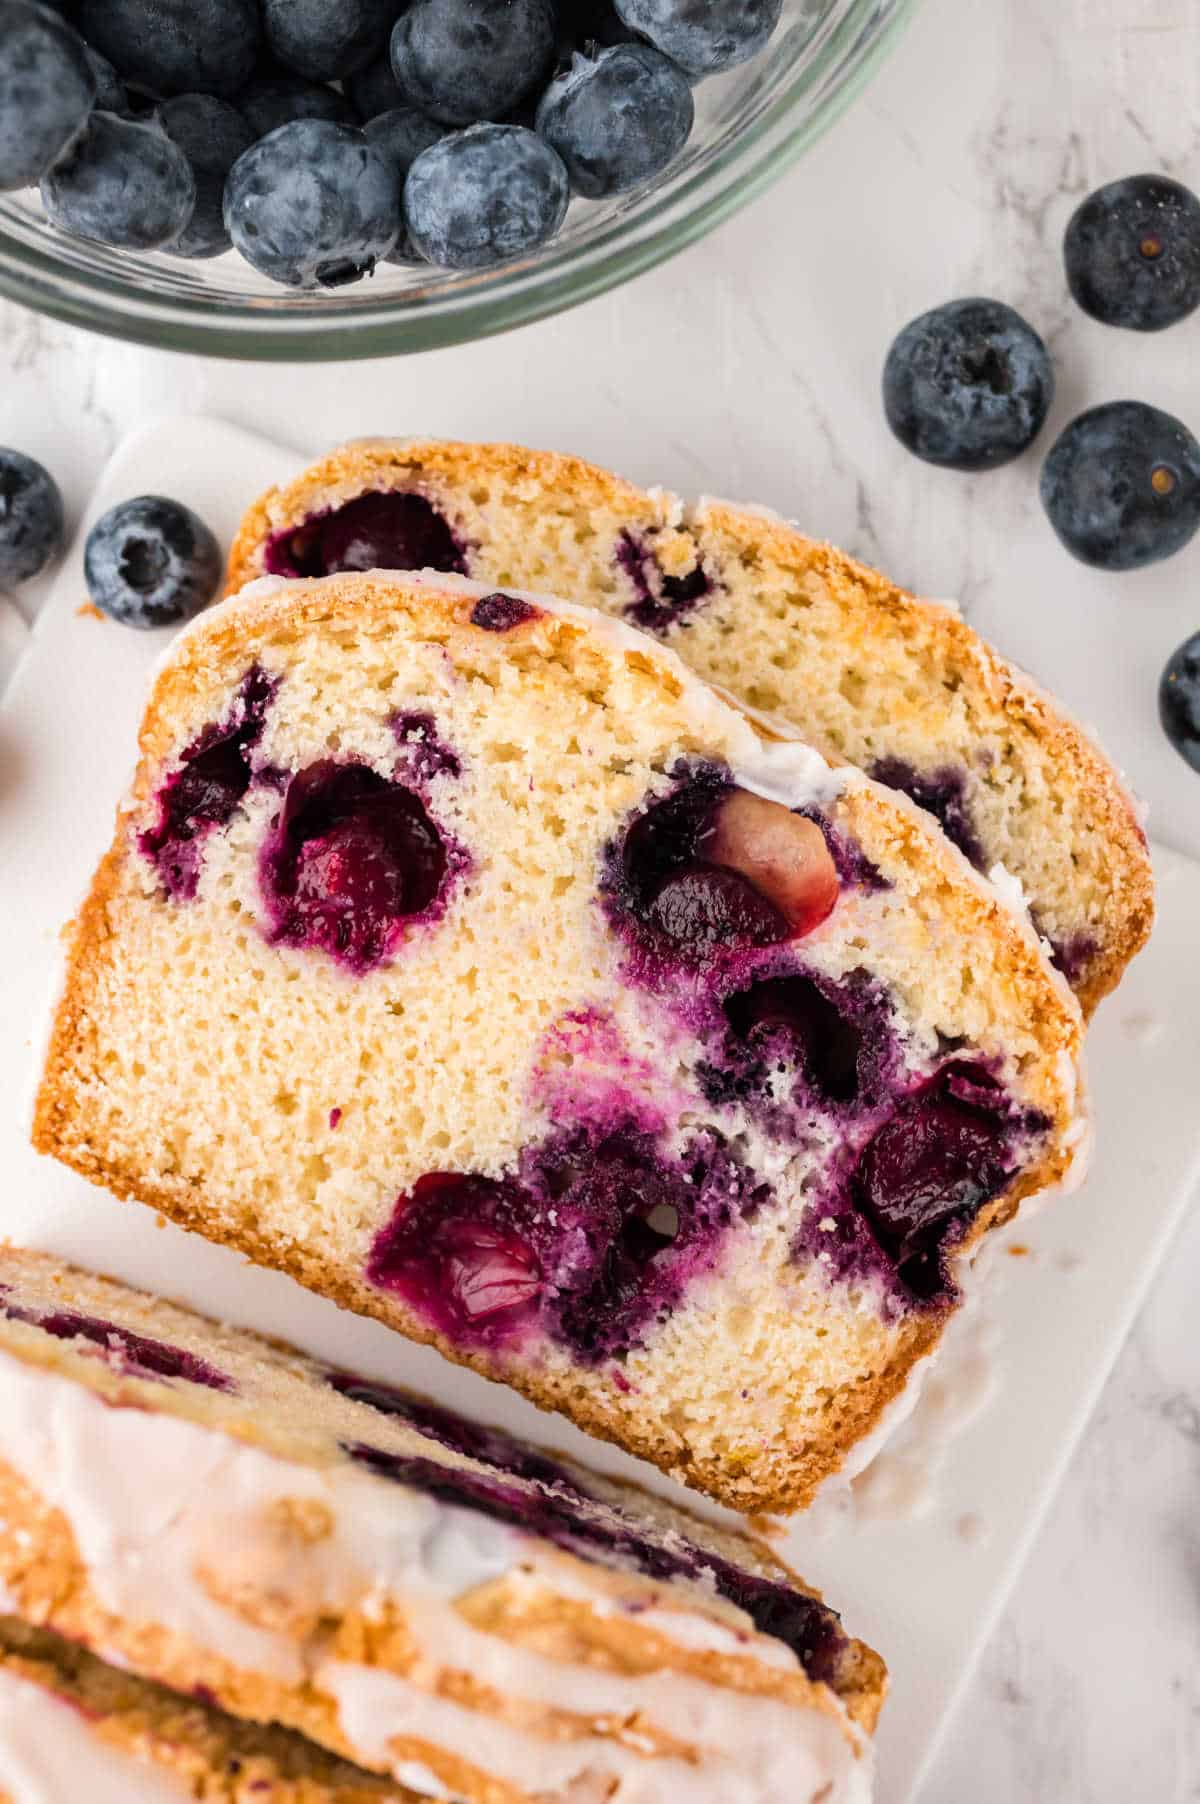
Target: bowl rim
512, 296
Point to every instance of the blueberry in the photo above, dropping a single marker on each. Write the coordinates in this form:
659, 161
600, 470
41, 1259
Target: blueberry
463, 60
968, 385
1122, 485
401, 134
121, 183
313, 204
151, 562
110, 89
328, 39
276, 98
47, 88
1132, 252
616, 118
583, 22
479, 196
31, 518
212, 136
703, 36
373, 90
1179, 700
176, 46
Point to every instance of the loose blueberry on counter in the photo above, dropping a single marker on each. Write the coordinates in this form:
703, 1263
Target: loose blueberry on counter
352, 858
468, 60
374, 90
151, 562
1132, 253
616, 117
483, 195
701, 35
1121, 486
31, 518
214, 774
47, 90
1179, 700
968, 385
313, 205
176, 46
388, 529
212, 136
327, 39
275, 97
123, 184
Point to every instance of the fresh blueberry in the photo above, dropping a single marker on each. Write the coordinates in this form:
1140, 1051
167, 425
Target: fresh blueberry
110, 89
1122, 485
31, 518
151, 562
121, 183
463, 60
485, 194
373, 90
703, 36
327, 39
176, 46
1179, 700
617, 117
313, 205
401, 134
212, 136
968, 385
275, 98
1132, 252
47, 89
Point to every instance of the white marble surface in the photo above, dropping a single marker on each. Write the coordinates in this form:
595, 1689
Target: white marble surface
749, 366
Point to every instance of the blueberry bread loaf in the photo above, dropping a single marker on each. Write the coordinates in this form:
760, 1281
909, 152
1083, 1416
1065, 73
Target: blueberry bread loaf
464, 956
74, 1730
435, 1601
873, 676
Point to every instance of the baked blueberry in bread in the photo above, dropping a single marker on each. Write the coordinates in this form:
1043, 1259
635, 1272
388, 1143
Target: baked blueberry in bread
873, 676
448, 1607
463, 955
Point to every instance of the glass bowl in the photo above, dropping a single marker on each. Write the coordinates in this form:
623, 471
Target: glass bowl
751, 123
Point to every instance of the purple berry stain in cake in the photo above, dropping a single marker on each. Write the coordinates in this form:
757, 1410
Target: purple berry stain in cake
942, 793
424, 755
214, 774
386, 529
584, 1071
660, 601
913, 1190
599, 1531
131, 1355
711, 871
592, 1240
1073, 955
351, 863
499, 613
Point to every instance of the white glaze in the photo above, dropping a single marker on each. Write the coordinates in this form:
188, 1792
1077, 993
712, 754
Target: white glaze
198, 1520
50, 1754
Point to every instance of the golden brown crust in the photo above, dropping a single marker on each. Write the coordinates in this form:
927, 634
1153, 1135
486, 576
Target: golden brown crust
786, 1478
875, 609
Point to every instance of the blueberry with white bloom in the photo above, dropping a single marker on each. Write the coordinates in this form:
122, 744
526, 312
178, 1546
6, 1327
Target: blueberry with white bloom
47, 89
313, 204
276, 97
151, 562
703, 36
483, 195
176, 46
212, 136
328, 39
373, 90
464, 60
31, 518
121, 183
616, 118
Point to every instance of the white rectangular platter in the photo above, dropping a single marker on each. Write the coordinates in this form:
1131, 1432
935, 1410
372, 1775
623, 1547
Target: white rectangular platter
923, 1582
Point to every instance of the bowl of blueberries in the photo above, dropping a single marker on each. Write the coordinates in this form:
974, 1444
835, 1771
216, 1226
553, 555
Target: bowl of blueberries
301, 179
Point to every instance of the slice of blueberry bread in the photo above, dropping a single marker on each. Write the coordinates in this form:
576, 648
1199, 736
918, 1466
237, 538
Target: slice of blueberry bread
463, 955
429, 1598
898, 686
74, 1730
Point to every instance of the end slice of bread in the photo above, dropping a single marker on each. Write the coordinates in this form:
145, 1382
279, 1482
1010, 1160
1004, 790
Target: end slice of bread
463, 955
446, 1606
875, 677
